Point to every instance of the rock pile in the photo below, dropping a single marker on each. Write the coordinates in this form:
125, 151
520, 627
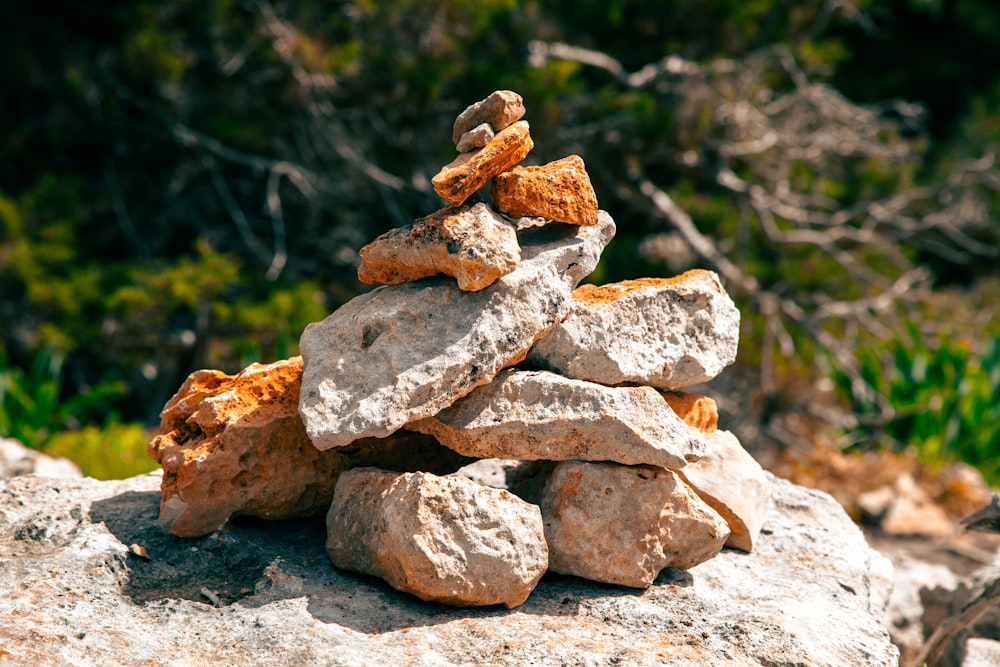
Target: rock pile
479, 344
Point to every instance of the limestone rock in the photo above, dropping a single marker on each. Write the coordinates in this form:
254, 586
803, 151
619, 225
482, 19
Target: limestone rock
499, 110
17, 460
667, 333
731, 481
71, 593
696, 411
623, 524
445, 539
404, 352
904, 508
532, 415
459, 179
473, 244
477, 137
560, 191
234, 445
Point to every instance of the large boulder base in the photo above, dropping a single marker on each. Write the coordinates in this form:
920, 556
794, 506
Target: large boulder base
72, 592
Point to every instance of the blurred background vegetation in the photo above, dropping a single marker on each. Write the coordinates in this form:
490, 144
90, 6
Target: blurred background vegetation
185, 184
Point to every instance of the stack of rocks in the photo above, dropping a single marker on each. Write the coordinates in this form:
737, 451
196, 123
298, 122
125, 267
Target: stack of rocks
480, 346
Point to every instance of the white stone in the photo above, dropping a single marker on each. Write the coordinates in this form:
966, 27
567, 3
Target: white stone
404, 352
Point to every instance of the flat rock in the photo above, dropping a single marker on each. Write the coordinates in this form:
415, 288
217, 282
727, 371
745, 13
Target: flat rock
467, 173
731, 481
700, 412
499, 110
72, 593
624, 524
472, 244
559, 190
662, 332
403, 352
234, 445
17, 460
446, 539
477, 137
533, 415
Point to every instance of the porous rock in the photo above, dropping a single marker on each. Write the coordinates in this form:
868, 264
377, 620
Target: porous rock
403, 352
700, 412
559, 190
234, 445
624, 524
472, 244
477, 137
17, 460
662, 332
532, 415
446, 539
731, 481
499, 110
72, 592
467, 173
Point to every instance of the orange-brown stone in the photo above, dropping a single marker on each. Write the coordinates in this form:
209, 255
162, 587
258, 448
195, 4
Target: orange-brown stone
696, 411
559, 191
458, 180
235, 445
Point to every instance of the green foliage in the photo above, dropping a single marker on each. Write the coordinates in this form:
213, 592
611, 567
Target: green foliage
943, 395
112, 451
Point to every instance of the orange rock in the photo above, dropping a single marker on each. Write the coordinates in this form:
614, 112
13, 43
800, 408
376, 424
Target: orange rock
696, 411
499, 110
235, 445
559, 191
458, 180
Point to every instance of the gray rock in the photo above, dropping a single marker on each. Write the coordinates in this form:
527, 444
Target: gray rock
477, 137
72, 592
662, 332
17, 460
404, 352
534, 415
499, 109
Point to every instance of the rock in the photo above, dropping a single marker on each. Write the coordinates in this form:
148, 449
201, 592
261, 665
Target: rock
234, 445
499, 110
905, 509
623, 524
472, 244
733, 484
696, 411
532, 415
17, 460
404, 352
972, 606
981, 652
459, 179
904, 614
445, 539
72, 593
663, 332
560, 191
477, 137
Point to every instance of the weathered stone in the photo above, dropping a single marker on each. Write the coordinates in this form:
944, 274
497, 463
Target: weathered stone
234, 445
71, 593
403, 352
459, 179
499, 109
560, 191
472, 244
731, 481
17, 460
696, 411
477, 137
623, 524
533, 415
445, 539
668, 333
904, 508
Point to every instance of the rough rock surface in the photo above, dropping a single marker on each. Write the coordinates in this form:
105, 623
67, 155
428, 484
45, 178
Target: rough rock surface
234, 445
71, 592
403, 352
533, 415
662, 332
459, 179
700, 412
472, 244
17, 460
499, 110
559, 190
624, 524
477, 137
446, 539
731, 481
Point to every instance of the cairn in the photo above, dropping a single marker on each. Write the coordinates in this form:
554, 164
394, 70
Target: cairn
480, 418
